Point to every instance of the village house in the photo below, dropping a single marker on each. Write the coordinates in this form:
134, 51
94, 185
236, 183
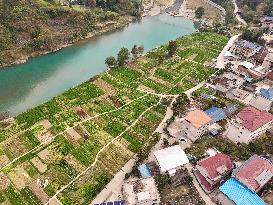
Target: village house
171, 159
263, 100
249, 124
141, 192
240, 95
226, 82
248, 69
210, 171
234, 192
268, 61
267, 21
255, 173
245, 49
195, 124
261, 55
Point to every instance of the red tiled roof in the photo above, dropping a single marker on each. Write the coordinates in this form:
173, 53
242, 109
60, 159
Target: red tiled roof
261, 55
270, 75
206, 185
248, 72
212, 163
251, 169
253, 118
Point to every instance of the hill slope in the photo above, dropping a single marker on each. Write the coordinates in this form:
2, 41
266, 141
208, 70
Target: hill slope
31, 27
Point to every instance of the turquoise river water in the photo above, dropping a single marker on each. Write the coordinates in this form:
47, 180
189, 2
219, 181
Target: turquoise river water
41, 78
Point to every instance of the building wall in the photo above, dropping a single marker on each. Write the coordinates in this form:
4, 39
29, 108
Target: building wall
238, 133
260, 103
192, 132
242, 51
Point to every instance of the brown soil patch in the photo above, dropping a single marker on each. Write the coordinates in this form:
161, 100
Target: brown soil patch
39, 164
39, 192
4, 160
109, 89
54, 202
4, 181
73, 135
46, 124
47, 156
75, 163
143, 87
19, 177
44, 137
161, 81
192, 57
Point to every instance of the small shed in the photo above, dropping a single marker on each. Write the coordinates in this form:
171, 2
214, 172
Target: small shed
144, 171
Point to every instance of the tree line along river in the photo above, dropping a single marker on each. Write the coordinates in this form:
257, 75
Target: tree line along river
41, 78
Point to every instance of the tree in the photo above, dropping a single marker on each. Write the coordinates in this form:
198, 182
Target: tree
134, 51
91, 3
123, 56
199, 12
137, 50
172, 47
228, 66
140, 50
111, 62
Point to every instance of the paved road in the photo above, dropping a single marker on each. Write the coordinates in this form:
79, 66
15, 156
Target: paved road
221, 60
113, 189
239, 18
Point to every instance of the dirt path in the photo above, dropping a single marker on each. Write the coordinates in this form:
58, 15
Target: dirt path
204, 196
99, 153
112, 191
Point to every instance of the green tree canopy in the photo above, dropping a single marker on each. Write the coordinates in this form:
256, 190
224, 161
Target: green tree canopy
123, 56
111, 62
199, 12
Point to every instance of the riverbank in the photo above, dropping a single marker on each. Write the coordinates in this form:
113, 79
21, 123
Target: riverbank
111, 26
44, 77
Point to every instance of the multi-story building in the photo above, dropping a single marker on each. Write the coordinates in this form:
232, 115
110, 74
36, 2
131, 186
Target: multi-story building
249, 124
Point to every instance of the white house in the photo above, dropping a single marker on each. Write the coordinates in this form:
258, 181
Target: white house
194, 125
170, 159
249, 124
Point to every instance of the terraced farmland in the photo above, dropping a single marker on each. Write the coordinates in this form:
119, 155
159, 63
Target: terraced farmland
76, 142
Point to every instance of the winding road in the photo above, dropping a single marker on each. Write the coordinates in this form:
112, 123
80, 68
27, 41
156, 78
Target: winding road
239, 18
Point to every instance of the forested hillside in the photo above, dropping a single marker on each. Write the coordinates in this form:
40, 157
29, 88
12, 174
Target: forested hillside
252, 10
229, 7
31, 27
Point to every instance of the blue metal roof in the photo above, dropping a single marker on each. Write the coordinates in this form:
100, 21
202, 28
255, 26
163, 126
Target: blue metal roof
268, 18
216, 113
231, 108
248, 79
205, 95
120, 202
267, 93
240, 194
144, 170
249, 45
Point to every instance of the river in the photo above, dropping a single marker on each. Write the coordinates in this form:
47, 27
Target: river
41, 78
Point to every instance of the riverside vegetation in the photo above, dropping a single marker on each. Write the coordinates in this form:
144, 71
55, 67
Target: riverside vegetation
33, 27
80, 139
